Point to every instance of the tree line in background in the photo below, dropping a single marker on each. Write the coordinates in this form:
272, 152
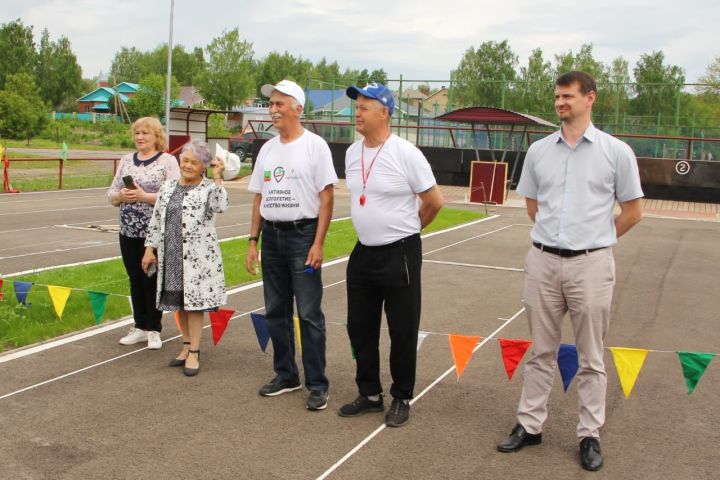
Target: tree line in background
35, 79
654, 94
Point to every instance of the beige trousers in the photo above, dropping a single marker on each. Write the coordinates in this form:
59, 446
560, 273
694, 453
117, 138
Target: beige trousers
582, 286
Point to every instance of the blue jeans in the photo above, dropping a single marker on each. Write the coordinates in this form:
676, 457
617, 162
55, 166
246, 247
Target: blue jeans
283, 257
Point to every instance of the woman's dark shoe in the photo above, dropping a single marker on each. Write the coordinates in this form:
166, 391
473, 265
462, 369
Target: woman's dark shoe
178, 362
191, 372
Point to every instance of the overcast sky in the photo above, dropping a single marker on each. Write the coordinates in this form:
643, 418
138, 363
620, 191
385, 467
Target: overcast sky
418, 39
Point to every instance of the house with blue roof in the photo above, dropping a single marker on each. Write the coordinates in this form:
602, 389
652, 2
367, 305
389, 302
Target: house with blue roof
99, 100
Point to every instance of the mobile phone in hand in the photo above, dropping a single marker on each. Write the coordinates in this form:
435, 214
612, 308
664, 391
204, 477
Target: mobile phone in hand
151, 270
128, 181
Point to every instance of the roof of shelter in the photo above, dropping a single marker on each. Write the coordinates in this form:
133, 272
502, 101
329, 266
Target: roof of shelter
493, 116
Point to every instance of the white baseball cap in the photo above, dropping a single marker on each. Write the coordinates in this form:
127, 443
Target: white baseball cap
288, 88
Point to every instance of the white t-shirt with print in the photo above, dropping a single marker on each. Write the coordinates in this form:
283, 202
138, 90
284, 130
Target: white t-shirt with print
290, 176
399, 173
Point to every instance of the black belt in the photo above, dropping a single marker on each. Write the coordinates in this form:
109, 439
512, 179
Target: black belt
563, 252
292, 224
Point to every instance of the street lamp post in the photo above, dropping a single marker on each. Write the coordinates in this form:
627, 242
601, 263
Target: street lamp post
169, 74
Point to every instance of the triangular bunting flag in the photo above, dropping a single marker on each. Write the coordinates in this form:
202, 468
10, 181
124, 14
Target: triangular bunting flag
694, 365
512, 353
98, 301
421, 338
261, 330
21, 291
64, 151
298, 336
177, 321
352, 350
567, 363
59, 296
1, 292
628, 362
219, 322
462, 347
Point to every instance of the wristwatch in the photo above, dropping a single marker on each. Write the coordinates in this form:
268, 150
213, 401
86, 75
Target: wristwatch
253, 239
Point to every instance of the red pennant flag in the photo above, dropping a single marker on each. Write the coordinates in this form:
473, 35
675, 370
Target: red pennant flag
219, 322
462, 347
1, 293
512, 352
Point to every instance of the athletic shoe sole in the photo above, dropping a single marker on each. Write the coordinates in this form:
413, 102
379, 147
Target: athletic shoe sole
361, 412
314, 409
281, 391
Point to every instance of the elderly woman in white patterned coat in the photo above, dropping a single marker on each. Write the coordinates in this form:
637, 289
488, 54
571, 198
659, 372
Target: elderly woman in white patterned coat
183, 244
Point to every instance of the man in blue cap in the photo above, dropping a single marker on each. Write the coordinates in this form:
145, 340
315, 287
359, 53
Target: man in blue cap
386, 175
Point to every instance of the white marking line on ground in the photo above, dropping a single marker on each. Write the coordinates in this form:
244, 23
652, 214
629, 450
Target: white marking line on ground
489, 267
55, 210
27, 229
25, 200
98, 260
58, 250
367, 439
121, 323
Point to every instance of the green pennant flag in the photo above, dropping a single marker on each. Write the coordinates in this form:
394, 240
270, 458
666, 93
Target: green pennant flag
694, 365
98, 300
64, 151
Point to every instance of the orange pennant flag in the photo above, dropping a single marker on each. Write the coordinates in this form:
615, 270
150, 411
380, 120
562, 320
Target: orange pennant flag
219, 322
462, 347
177, 321
512, 352
628, 362
59, 296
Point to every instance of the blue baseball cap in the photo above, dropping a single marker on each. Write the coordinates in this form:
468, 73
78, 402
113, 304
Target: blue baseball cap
376, 91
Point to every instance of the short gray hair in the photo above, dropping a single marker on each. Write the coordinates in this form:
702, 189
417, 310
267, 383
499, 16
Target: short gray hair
200, 150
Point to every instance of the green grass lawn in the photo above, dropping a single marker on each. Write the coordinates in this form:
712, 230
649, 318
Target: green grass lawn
20, 325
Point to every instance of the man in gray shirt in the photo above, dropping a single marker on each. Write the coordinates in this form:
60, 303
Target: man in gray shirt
571, 181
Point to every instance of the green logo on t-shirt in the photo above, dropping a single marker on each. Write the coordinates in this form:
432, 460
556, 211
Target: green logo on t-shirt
267, 175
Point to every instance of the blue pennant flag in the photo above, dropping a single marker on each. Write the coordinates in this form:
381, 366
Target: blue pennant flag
261, 330
21, 291
568, 363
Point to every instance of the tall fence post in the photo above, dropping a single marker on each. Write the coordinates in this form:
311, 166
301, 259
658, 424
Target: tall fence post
60, 175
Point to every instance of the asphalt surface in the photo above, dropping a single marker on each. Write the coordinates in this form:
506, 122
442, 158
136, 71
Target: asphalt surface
120, 412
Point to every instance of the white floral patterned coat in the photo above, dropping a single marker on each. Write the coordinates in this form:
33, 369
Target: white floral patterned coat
203, 276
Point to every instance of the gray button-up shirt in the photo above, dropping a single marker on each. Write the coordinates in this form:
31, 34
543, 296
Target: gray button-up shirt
576, 188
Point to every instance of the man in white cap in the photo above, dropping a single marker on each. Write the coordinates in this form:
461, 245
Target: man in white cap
386, 176
293, 183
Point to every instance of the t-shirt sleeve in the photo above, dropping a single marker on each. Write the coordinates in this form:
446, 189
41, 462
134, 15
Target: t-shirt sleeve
419, 172
324, 168
528, 185
627, 175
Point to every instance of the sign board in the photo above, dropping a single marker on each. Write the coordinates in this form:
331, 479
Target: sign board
488, 182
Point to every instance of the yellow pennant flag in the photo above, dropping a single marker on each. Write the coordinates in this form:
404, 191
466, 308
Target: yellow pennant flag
628, 362
59, 296
296, 322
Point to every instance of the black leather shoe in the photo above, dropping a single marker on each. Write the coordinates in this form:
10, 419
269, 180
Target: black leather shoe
518, 439
590, 454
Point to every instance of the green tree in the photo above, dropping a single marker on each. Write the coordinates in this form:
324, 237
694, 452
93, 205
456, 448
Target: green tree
17, 49
185, 65
149, 101
534, 91
379, 75
657, 86
615, 91
711, 79
483, 74
228, 80
326, 72
22, 110
58, 74
278, 66
129, 65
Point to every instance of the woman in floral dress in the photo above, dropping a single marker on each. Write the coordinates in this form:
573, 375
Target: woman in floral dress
183, 243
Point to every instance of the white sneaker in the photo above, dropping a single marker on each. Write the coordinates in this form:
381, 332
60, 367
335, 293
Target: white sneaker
154, 341
134, 336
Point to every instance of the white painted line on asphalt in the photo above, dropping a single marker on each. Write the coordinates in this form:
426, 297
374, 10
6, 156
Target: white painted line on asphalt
57, 250
367, 439
472, 265
29, 212
26, 200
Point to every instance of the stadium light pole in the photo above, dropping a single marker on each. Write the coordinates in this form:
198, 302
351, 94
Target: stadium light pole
169, 74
